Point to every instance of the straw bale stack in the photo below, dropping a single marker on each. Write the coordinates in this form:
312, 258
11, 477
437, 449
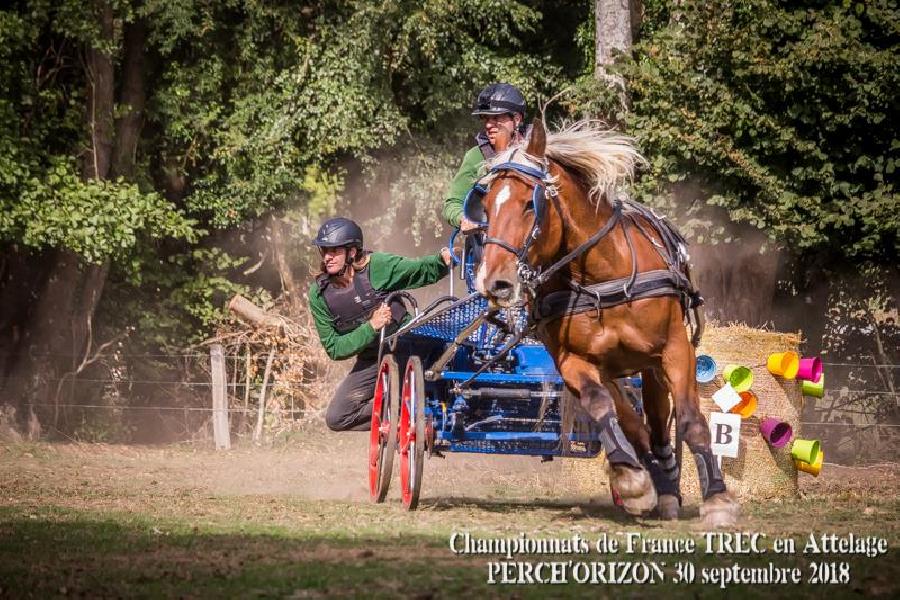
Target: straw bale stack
760, 471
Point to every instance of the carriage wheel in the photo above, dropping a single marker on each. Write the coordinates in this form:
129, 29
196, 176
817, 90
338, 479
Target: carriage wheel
383, 431
412, 433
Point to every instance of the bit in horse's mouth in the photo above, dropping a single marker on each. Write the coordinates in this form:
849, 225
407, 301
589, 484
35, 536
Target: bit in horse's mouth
497, 304
516, 301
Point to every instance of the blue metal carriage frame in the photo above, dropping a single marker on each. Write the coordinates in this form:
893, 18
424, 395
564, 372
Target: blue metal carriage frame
514, 407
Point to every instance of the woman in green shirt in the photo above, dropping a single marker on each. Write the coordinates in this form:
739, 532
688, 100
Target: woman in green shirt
501, 107
347, 304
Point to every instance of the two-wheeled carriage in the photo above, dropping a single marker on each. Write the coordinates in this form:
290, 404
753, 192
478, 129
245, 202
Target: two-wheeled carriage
461, 378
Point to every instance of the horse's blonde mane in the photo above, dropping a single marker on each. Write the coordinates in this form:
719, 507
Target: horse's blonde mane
602, 158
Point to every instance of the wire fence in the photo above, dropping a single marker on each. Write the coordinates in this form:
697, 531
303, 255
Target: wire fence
125, 392
287, 356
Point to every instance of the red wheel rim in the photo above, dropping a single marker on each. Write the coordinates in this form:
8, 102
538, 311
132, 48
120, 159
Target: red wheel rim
382, 431
407, 436
376, 437
412, 433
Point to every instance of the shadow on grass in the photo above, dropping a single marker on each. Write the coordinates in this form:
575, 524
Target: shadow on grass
65, 554
55, 552
569, 509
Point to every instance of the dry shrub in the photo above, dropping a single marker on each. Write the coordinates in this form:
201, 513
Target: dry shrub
301, 377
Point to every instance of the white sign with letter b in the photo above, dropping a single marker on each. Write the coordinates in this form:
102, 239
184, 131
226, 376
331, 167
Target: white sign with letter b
725, 431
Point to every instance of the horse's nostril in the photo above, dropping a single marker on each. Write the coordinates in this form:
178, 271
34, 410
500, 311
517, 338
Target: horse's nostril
501, 288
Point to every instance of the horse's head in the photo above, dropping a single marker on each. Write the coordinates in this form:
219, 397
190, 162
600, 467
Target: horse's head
523, 227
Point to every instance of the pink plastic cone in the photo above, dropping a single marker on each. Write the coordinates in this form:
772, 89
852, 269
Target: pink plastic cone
777, 432
810, 369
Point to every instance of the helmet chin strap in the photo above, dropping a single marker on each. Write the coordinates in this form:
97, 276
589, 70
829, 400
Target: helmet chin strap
343, 271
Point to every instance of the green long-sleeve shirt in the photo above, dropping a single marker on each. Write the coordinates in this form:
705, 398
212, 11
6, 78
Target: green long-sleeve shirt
461, 184
387, 272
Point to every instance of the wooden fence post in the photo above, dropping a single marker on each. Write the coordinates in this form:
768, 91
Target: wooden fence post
221, 426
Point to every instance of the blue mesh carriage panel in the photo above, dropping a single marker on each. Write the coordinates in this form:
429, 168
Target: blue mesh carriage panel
450, 323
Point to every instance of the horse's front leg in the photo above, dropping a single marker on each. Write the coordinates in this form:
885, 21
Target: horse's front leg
719, 508
628, 477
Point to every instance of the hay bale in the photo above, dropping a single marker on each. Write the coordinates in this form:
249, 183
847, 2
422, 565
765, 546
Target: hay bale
760, 471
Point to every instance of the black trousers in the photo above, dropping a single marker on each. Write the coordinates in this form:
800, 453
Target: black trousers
350, 408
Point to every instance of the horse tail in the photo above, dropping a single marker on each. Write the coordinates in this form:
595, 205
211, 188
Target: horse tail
696, 308
699, 325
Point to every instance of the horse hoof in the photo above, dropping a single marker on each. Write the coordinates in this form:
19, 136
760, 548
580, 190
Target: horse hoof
634, 487
668, 507
721, 510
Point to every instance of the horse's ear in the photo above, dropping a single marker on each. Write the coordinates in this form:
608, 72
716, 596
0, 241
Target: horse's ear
501, 141
537, 139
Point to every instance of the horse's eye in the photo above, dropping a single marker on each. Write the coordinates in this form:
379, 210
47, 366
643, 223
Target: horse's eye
529, 206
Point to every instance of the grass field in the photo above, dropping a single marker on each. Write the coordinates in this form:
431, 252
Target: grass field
177, 521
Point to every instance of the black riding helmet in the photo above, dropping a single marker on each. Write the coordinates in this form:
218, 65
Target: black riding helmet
498, 99
338, 232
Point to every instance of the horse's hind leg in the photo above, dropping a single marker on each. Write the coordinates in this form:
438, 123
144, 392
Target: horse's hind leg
628, 478
661, 463
719, 509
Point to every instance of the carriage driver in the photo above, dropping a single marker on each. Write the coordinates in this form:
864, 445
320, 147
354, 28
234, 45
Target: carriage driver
347, 304
501, 106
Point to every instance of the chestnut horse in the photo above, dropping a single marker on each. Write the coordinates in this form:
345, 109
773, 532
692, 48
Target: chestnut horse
555, 236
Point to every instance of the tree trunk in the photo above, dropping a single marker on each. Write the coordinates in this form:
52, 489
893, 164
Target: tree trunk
24, 275
613, 38
637, 16
45, 345
100, 100
291, 291
59, 328
131, 101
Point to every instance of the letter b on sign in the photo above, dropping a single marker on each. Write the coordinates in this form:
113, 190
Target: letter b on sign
725, 430
723, 434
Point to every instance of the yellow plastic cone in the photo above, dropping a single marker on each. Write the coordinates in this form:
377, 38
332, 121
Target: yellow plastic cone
784, 364
814, 468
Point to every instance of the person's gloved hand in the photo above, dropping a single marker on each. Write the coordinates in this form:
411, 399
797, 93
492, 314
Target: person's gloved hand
381, 317
447, 257
466, 226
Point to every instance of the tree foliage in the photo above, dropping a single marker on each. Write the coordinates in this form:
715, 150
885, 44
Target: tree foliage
774, 114
251, 107
44, 202
784, 114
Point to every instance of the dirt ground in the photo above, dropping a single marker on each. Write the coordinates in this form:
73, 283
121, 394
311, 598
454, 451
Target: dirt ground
183, 520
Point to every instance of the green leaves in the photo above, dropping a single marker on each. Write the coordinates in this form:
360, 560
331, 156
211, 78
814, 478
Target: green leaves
258, 94
96, 219
779, 112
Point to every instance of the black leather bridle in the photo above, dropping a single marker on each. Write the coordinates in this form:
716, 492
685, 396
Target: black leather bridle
533, 277
473, 209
